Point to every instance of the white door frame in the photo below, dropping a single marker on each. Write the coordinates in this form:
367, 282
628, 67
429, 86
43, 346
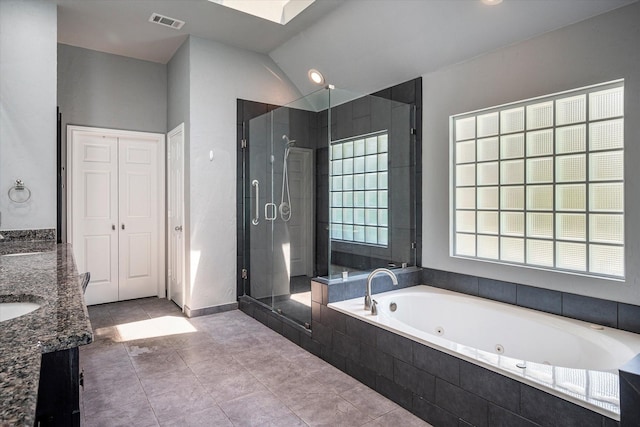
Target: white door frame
71, 130
177, 130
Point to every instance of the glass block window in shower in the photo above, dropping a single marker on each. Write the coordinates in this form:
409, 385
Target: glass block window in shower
540, 182
359, 189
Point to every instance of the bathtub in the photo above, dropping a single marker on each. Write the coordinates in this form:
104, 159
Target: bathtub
570, 359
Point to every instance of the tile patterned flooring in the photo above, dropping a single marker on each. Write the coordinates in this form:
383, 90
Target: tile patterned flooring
227, 370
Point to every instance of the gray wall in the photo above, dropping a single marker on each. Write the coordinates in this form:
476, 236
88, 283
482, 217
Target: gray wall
111, 91
179, 111
219, 75
178, 87
600, 49
28, 112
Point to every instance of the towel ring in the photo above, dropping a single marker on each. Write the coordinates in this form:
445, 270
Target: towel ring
19, 193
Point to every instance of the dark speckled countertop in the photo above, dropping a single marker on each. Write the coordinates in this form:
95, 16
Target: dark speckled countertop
45, 273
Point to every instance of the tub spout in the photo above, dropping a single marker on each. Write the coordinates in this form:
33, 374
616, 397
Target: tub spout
372, 275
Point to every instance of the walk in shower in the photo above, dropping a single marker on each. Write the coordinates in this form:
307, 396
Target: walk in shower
328, 188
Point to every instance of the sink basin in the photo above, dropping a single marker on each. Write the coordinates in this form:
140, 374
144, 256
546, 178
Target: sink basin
11, 310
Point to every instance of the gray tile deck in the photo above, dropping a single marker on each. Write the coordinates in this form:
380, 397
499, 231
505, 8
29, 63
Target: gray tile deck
229, 370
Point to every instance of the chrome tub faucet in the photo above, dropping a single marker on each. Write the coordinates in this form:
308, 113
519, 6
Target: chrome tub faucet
368, 305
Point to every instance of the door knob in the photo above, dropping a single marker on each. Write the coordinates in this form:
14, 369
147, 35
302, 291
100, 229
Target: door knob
113, 226
178, 228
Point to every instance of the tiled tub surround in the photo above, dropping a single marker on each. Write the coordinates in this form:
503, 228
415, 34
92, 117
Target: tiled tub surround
565, 357
355, 285
48, 277
594, 310
438, 387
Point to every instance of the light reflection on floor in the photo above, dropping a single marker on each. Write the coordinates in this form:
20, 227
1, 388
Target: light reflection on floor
151, 328
302, 298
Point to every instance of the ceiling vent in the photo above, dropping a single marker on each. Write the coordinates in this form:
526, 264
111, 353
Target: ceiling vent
166, 21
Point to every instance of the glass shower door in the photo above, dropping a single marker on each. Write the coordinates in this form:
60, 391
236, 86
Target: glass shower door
280, 233
260, 230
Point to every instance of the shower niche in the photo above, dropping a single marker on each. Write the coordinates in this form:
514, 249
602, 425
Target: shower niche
328, 186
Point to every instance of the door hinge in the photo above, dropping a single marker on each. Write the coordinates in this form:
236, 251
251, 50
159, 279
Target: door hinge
243, 143
413, 131
414, 245
244, 274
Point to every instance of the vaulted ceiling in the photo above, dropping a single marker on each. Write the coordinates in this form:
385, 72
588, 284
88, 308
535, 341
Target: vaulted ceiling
362, 45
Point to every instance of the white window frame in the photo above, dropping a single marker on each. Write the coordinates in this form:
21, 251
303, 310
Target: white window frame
464, 220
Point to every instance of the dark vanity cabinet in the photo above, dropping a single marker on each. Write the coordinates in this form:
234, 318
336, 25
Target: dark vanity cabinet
58, 392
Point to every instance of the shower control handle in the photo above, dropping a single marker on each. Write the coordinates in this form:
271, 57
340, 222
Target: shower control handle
256, 219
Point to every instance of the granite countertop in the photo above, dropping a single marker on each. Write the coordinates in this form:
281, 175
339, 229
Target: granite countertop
45, 273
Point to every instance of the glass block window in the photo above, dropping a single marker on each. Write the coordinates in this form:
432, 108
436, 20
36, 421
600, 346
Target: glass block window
541, 182
359, 190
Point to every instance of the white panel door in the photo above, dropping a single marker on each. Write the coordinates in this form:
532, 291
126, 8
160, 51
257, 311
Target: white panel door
175, 215
95, 213
116, 185
300, 174
139, 217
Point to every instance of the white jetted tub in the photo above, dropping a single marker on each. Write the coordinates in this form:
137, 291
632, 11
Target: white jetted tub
571, 359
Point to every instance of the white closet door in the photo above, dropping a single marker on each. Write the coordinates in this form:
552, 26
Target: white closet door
116, 216
139, 217
95, 213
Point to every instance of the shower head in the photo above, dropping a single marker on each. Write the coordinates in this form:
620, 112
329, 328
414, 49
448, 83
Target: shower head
289, 142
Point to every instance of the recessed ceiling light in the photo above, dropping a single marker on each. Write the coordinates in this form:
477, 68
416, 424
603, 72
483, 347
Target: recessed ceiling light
491, 2
316, 76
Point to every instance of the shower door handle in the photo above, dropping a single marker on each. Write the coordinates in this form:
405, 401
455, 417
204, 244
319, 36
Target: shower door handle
256, 219
274, 211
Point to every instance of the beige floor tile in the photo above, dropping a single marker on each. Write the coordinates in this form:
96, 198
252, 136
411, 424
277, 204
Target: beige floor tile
225, 387
330, 410
369, 401
112, 396
255, 409
172, 380
232, 371
213, 416
398, 417
180, 401
133, 414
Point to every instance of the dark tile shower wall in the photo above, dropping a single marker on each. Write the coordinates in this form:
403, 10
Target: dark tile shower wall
372, 114
322, 209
